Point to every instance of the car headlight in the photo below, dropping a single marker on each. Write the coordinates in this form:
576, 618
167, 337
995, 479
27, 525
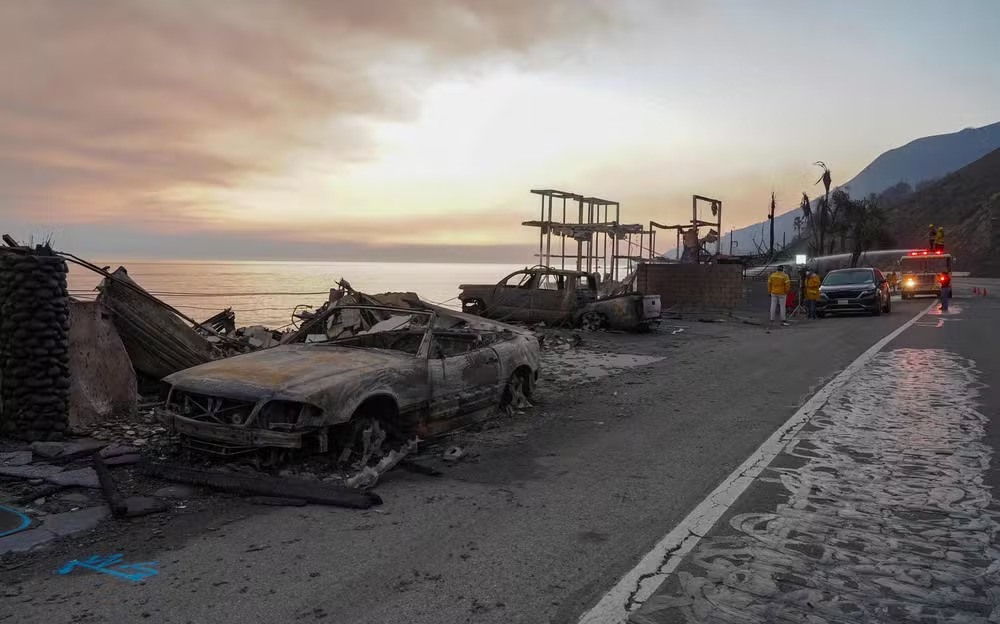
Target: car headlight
909, 282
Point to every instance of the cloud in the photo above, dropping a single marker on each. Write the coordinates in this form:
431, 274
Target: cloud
137, 109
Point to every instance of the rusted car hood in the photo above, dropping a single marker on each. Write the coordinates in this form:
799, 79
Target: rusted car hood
295, 372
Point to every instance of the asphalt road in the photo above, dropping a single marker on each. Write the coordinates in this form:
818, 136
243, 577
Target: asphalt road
558, 505
881, 509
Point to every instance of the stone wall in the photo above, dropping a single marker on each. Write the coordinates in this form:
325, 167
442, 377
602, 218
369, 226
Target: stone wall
34, 345
695, 287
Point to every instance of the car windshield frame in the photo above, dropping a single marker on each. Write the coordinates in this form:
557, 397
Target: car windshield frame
840, 277
405, 326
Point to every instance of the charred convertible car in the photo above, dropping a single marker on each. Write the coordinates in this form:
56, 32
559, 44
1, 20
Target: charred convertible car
424, 374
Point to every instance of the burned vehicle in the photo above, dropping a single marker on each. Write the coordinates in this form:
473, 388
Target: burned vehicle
559, 297
412, 373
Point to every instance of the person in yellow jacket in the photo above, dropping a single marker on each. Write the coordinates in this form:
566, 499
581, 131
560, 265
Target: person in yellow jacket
778, 286
939, 239
812, 294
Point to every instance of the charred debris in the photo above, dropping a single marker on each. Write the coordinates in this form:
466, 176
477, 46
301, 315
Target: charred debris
84, 391
351, 390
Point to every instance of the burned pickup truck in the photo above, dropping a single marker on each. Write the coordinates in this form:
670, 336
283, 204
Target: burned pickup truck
559, 297
413, 373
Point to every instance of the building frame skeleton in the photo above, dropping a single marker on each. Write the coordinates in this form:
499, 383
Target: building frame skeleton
695, 223
597, 230
595, 225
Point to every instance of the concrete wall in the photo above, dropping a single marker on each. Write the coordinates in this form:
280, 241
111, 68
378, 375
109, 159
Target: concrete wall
716, 287
103, 384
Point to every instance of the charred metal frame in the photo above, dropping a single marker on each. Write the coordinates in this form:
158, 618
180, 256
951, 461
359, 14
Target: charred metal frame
695, 224
598, 235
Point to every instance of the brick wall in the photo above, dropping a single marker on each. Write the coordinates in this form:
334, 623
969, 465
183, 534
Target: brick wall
693, 286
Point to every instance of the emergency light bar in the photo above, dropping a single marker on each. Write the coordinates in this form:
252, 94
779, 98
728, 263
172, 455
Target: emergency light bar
937, 252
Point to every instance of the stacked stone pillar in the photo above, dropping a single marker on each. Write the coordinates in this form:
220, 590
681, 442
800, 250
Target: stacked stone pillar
34, 344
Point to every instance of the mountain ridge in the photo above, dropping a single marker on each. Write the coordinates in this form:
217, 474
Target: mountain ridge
966, 203
921, 160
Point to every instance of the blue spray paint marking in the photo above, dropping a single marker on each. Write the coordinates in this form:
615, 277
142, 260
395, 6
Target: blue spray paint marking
25, 521
112, 565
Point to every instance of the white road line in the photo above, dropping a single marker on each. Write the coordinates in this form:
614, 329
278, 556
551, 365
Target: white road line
641, 581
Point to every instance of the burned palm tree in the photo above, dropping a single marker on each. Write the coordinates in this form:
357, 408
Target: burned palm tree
824, 207
807, 214
770, 218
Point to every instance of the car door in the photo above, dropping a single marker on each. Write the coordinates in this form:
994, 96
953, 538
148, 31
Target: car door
511, 299
548, 299
464, 374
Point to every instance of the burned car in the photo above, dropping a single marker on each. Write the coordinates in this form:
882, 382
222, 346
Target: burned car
412, 373
559, 297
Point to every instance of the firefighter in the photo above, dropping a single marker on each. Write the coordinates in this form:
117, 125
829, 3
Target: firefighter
778, 286
812, 293
939, 239
931, 236
945, 280
892, 281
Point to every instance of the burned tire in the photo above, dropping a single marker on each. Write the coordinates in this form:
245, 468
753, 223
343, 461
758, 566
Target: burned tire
375, 429
518, 391
592, 321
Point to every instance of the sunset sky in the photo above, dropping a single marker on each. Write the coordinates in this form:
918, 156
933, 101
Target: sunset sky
394, 129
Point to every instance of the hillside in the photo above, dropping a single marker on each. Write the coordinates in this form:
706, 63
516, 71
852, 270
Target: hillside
967, 204
922, 159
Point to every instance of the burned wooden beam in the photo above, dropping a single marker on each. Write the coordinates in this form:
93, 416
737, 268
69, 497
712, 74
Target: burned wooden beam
259, 485
117, 504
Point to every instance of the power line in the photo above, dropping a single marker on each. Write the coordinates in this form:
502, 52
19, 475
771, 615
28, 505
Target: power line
164, 293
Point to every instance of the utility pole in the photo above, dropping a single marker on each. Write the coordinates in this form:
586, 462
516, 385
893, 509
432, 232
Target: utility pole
770, 217
730, 241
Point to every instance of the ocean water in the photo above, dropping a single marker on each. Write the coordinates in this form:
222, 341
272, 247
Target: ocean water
265, 293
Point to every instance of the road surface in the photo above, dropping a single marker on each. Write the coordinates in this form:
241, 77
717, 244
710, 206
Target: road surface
558, 506
878, 509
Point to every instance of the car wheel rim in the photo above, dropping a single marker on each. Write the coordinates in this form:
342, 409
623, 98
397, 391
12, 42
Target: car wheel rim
591, 321
514, 396
367, 443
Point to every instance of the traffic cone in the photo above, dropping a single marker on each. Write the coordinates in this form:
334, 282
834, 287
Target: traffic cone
984, 292
975, 290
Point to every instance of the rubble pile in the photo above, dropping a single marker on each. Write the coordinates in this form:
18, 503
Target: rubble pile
142, 431
157, 341
558, 340
34, 344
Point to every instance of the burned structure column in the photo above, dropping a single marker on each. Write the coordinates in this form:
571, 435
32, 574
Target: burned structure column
34, 344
